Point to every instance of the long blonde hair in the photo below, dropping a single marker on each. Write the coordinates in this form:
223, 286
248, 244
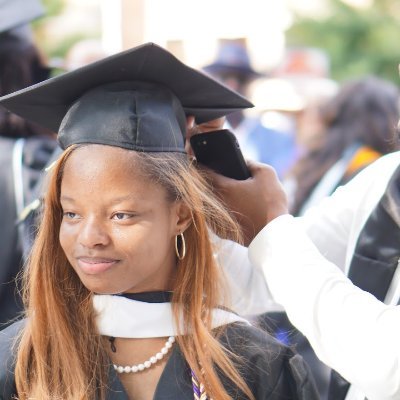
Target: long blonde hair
61, 354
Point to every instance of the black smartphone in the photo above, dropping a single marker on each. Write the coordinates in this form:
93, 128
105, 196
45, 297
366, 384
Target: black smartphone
220, 151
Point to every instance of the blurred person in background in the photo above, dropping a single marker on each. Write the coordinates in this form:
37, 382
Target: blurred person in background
258, 142
24, 147
315, 92
358, 126
291, 104
306, 70
353, 322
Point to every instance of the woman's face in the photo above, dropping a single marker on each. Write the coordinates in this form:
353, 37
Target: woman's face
118, 229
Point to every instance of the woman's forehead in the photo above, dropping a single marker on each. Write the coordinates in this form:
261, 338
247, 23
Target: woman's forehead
99, 153
107, 175
101, 162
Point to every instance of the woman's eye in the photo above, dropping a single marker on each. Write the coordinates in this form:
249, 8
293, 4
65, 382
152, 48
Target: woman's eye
70, 215
121, 216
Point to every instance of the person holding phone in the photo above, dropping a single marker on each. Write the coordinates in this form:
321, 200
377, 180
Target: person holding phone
356, 231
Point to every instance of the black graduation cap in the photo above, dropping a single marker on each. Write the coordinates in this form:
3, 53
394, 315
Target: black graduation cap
136, 99
15, 14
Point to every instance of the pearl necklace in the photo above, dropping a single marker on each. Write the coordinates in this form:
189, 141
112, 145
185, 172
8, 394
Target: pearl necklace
151, 361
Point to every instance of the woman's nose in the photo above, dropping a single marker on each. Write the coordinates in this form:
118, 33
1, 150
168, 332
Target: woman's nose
93, 233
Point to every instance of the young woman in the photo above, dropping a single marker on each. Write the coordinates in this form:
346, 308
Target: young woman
123, 295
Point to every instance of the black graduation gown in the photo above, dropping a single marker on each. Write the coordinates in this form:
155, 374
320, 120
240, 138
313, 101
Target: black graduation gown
271, 370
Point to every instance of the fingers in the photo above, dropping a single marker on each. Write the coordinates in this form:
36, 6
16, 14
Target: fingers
262, 173
193, 129
189, 122
190, 131
217, 180
258, 171
213, 125
257, 168
255, 201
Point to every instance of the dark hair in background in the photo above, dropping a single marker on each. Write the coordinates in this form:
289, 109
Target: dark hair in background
366, 112
20, 66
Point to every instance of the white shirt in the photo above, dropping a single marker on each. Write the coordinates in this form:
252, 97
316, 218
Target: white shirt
303, 260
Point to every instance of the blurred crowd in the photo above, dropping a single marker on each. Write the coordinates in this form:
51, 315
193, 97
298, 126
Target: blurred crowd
315, 132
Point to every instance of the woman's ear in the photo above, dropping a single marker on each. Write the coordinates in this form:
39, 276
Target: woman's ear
183, 217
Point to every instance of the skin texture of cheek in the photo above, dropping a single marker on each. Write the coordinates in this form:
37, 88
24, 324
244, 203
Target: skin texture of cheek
146, 261
149, 263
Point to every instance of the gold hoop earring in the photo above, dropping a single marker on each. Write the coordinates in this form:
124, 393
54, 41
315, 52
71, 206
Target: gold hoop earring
183, 246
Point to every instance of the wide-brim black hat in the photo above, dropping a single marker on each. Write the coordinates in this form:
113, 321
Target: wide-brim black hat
232, 58
126, 99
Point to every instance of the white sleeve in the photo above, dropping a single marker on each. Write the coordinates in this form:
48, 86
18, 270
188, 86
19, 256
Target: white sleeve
248, 292
328, 224
349, 329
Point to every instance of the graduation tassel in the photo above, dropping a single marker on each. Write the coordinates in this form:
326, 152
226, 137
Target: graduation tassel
199, 392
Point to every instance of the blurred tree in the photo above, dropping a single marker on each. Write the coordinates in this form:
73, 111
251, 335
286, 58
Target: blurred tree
358, 41
55, 47
53, 7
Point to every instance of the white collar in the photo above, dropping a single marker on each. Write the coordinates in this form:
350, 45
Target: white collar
118, 316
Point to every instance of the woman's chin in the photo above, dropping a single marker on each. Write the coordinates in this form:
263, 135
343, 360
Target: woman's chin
103, 288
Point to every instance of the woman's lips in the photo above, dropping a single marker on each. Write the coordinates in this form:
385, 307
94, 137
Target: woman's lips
93, 266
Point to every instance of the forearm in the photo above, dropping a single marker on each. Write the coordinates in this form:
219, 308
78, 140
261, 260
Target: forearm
349, 329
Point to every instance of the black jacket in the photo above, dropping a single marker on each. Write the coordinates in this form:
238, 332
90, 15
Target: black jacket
271, 370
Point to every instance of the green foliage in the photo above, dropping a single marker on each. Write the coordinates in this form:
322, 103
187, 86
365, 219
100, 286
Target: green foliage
359, 42
53, 7
55, 50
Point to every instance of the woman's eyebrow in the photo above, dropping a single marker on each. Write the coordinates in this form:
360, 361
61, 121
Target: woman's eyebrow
123, 198
67, 198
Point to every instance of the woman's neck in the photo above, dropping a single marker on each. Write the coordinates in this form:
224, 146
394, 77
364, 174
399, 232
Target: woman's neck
142, 384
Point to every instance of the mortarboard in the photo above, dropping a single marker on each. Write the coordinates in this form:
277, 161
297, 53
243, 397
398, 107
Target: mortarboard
136, 99
14, 14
